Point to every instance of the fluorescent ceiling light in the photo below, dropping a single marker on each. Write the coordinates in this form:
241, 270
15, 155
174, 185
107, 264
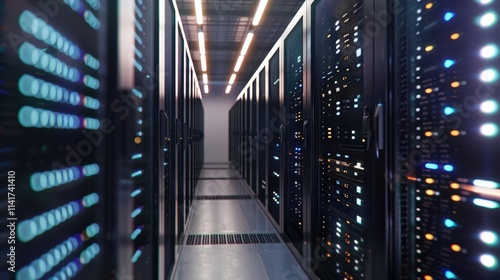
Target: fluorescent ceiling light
260, 11
248, 40
233, 77
205, 78
206, 88
228, 89
238, 63
199, 11
201, 40
203, 62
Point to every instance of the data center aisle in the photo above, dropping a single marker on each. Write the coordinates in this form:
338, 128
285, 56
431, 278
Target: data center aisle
224, 207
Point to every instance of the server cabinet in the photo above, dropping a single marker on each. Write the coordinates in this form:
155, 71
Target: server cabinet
350, 209
167, 137
247, 115
447, 78
186, 127
253, 138
53, 61
140, 146
262, 137
293, 123
179, 131
274, 144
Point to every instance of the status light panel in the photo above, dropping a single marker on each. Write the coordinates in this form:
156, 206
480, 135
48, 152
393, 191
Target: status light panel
453, 175
274, 196
51, 94
338, 50
140, 140
294, 104
261, 115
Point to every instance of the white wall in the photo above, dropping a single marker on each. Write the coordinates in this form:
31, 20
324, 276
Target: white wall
217, 126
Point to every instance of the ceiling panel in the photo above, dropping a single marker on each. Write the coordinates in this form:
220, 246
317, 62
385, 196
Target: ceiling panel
225, 25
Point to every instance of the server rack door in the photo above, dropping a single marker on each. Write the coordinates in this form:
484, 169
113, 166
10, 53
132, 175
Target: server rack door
179, 135
341, 240
274, 146
52, 139
254, 143
169, 143
448, 87
262, 138
294, 138
244, 138
142, 148
187, 148
248, 141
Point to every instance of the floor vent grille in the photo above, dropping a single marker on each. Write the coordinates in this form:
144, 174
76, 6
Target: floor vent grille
232, 238
222, 197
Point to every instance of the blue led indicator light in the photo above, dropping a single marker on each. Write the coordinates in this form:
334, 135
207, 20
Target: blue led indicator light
431, 166
448, 16
449, 223
450, 275
136, 173
136, 193
136, 212
136, 256
448, 63
136, 233
448, 167
448, 111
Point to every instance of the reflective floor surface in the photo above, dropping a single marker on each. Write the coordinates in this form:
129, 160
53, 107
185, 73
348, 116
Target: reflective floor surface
232, 261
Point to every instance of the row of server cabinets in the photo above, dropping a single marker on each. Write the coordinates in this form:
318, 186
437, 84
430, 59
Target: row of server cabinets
101, 133
370, 136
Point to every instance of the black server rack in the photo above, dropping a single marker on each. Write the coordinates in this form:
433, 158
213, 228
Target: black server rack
141, 144
167, 138
247, 114
179, 131
253, 138
262, 138
274, 143
447, 85
293, 139
53, 157
187, 160
343, 220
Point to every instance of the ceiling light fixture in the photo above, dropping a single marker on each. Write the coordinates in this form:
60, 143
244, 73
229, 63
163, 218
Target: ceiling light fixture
260, 11
201, 41
246, 45
205, 78
206, 88
228, 89
233, 77
199, 12
238, 63
203, 62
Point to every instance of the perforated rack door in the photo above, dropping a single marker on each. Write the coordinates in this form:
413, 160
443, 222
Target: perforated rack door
52, 135
339, 97
448, 77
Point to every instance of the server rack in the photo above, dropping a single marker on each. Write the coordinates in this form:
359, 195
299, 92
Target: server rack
253, 138
293, 127
273, 203
447, 77
342, 195
179, 130
262, 138
53, 84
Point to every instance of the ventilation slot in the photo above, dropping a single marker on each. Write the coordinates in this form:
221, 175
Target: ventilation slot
232, 238
222, 197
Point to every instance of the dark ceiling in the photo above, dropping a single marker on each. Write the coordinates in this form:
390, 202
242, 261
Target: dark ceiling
226, 24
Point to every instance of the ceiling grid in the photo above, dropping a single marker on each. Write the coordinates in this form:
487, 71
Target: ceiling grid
226, 25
